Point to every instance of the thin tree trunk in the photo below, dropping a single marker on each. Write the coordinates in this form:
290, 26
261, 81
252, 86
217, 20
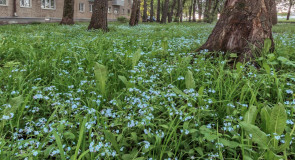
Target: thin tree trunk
159, 11
274, 12
200, 9
190, 13
289, 10
144, 17
207, 11
179, 6
152, 11
194, 10
243, 27
165, 11
135, 13
68, 12
99, 18
14, 8
181, 11
170, 15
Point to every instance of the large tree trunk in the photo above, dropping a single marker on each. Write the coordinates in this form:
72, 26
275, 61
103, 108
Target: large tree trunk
274, 12
135, 13
289, 10
99, 19
68, 12
165, 11
194, 10
152, 11
170, 15
144, 17
159, 11
200, 9
243, 27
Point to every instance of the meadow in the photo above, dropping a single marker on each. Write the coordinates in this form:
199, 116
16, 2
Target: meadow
142, 93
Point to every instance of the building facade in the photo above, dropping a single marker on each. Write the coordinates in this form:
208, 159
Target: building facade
52, 10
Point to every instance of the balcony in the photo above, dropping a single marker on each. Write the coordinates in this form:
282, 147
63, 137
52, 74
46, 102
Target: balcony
118, 2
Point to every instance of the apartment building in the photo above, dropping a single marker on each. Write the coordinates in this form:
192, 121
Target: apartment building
52, 10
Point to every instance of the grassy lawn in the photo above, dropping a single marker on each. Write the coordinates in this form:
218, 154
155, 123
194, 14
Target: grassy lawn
141, 93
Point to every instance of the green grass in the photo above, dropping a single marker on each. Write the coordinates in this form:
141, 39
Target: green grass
140, 93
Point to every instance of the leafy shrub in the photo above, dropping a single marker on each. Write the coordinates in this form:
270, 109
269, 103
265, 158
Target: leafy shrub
122, 19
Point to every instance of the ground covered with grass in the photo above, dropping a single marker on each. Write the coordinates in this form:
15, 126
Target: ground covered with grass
141, 93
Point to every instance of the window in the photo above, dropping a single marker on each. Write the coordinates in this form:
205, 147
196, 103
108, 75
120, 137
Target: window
3, 3
81, 7
25, 3
123, 11
109, 10
90, 7
48, 4
116, 11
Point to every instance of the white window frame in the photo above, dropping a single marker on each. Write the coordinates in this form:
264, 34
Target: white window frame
48, 2
5, 4
23, 6
90, 7
82, 8
116, 10
109, 9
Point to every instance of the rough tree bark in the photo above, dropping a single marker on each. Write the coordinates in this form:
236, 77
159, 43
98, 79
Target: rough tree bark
170, 15
165, 11
144, 17
159, 11
200, 9
194, 10
135, 13
152, 11
289, 10
243, 27
68, 12
99, 19
274, 12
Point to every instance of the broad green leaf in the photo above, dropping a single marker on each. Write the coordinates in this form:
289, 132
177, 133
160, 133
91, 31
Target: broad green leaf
266, 67
189, 80
267, 45
124, 80
265, 118
258, 136
69, 135
135, 58
59, 144
177, 91
101, 75
111, 138
81, 134
278, 119
250, 115
230, 144
284, 146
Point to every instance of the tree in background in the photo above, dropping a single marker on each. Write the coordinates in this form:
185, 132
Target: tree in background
145, 16
243, 27
135, 13
194, 10
274, 13
68, 12
99, 19
165, 11
152, 11
291, 3
159, 11
200, 9
170, 15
